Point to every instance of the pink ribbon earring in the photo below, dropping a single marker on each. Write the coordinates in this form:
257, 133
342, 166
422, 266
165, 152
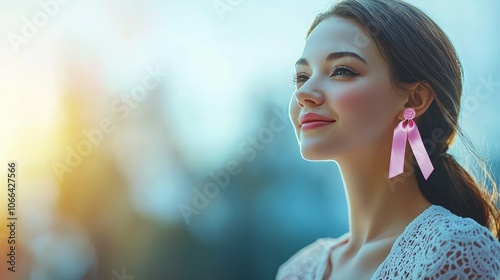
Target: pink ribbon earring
407, 128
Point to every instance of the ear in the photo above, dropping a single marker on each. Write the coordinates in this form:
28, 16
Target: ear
420, 98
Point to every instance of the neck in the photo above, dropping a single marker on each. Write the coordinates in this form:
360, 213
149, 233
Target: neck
378, 207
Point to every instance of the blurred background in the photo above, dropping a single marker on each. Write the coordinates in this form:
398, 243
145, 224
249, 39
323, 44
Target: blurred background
152, 138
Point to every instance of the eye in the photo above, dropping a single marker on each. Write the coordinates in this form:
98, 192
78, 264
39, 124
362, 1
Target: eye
343, 71
298, 78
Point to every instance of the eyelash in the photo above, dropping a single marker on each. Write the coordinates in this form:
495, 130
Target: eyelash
352, 73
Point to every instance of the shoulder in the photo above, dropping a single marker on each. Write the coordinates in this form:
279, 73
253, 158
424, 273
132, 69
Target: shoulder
447, 230
458, 247
308, 262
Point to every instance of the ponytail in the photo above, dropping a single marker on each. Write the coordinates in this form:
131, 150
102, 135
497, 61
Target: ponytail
452, 187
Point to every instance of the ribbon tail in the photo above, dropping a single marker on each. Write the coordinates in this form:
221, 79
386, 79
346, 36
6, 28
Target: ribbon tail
418, 148
397, 163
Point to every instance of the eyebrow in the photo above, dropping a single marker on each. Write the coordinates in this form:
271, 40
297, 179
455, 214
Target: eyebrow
333, 56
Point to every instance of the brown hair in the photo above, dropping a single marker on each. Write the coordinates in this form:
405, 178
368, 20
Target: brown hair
418, 50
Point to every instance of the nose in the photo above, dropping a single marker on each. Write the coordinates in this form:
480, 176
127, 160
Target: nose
308, 95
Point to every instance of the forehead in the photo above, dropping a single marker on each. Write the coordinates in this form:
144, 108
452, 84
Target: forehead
336, 34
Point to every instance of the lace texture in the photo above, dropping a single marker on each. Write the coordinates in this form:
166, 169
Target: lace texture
435, 245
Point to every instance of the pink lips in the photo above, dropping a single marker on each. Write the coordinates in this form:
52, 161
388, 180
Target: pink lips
312, 120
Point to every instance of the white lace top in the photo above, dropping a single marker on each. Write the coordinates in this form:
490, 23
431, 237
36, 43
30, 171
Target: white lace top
435, 245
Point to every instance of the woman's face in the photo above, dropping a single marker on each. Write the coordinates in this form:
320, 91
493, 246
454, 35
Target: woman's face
343, 78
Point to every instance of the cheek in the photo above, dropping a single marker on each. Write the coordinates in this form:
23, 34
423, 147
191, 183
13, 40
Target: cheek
366, 105
360, 101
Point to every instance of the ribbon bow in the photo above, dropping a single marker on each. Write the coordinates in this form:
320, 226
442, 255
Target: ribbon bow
407, 128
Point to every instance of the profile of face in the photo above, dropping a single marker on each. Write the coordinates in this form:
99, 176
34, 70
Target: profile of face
344, 103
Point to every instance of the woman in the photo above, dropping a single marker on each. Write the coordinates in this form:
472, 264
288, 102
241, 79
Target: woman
373, 73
